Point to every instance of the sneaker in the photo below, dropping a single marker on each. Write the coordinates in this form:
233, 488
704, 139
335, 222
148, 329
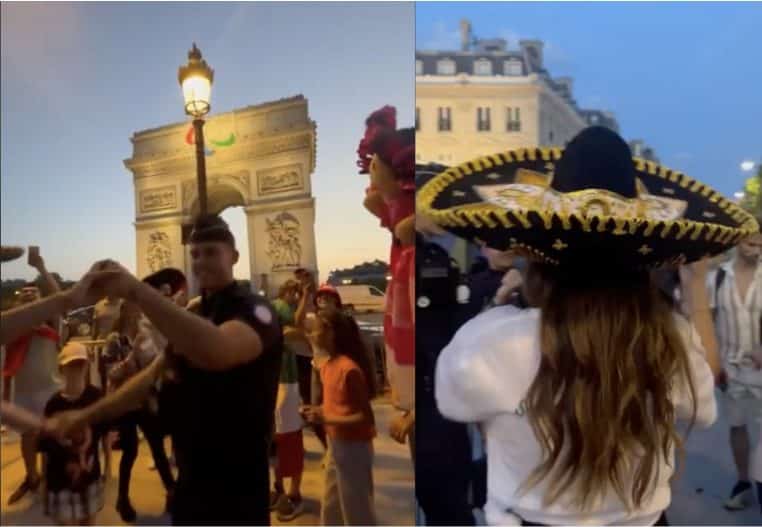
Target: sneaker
740, 496
126, 510
289, 508
28, 485
275, 498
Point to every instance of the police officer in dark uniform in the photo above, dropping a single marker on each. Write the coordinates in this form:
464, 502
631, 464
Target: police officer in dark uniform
217, 384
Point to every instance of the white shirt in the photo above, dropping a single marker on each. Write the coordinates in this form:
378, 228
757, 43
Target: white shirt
737, 324
483, 375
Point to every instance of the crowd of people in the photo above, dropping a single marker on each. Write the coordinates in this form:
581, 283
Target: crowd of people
229, 376
615, 300
564, 380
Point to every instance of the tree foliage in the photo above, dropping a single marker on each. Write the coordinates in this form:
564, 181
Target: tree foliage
752, 200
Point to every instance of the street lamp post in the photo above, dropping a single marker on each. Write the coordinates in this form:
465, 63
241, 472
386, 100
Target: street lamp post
196, 79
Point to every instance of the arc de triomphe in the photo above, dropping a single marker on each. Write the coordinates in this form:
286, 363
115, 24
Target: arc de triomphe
259, 157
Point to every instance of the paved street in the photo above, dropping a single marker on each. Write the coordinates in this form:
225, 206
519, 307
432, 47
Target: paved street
393, 475
706, 481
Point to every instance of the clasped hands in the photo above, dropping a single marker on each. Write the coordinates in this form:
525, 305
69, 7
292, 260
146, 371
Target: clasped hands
105, 278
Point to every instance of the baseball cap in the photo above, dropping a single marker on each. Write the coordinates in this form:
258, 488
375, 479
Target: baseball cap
71, 352
328, 290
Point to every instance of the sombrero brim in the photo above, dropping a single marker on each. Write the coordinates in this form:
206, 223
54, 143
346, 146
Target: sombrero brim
8, 254
469, 200
174, 277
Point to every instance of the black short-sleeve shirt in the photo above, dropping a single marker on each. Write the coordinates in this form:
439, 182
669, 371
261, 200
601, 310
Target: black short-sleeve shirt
75, 466
221, 422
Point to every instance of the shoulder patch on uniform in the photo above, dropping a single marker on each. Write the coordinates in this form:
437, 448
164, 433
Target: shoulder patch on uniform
263, 314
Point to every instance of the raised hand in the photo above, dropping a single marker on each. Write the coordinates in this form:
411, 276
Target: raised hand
109, 278
85, 292
35, 259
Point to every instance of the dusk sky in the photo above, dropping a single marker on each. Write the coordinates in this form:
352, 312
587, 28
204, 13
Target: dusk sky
684, 77
79, 79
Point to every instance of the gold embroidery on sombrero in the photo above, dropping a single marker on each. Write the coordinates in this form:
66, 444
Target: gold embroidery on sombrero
558, 245
584, 221
682, 229
522, 217
697, 231
486, 162
619, 225
547, 218
666, 228
711, 229
714, 233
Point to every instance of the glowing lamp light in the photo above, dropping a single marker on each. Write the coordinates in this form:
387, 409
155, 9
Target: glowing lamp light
747, 166
196, 80
346, 281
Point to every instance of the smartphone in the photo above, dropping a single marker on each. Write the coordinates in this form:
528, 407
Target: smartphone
34, 254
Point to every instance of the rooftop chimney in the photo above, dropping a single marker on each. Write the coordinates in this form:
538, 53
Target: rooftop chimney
465, 34
532, 51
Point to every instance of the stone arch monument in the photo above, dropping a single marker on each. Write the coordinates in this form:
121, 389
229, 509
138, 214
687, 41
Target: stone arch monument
259, 157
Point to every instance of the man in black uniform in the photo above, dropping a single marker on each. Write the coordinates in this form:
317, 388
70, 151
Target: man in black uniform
217, 384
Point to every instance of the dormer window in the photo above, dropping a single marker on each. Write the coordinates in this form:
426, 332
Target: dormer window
419, 67
483, 67
513, 68
446, 67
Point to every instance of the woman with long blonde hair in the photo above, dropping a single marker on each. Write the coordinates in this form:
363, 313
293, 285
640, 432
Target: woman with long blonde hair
579, 397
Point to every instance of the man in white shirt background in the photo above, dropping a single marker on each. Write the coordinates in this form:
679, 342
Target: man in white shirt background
736, 295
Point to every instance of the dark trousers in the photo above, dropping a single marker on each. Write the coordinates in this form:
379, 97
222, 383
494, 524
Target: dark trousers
128, 439
304, 374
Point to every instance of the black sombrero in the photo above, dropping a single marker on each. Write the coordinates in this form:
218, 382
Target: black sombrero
170, 276
591, 202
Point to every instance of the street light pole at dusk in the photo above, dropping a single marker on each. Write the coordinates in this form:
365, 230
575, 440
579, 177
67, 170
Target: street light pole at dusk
196, 79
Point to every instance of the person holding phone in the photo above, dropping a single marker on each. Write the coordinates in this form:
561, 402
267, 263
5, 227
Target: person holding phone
31, 361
